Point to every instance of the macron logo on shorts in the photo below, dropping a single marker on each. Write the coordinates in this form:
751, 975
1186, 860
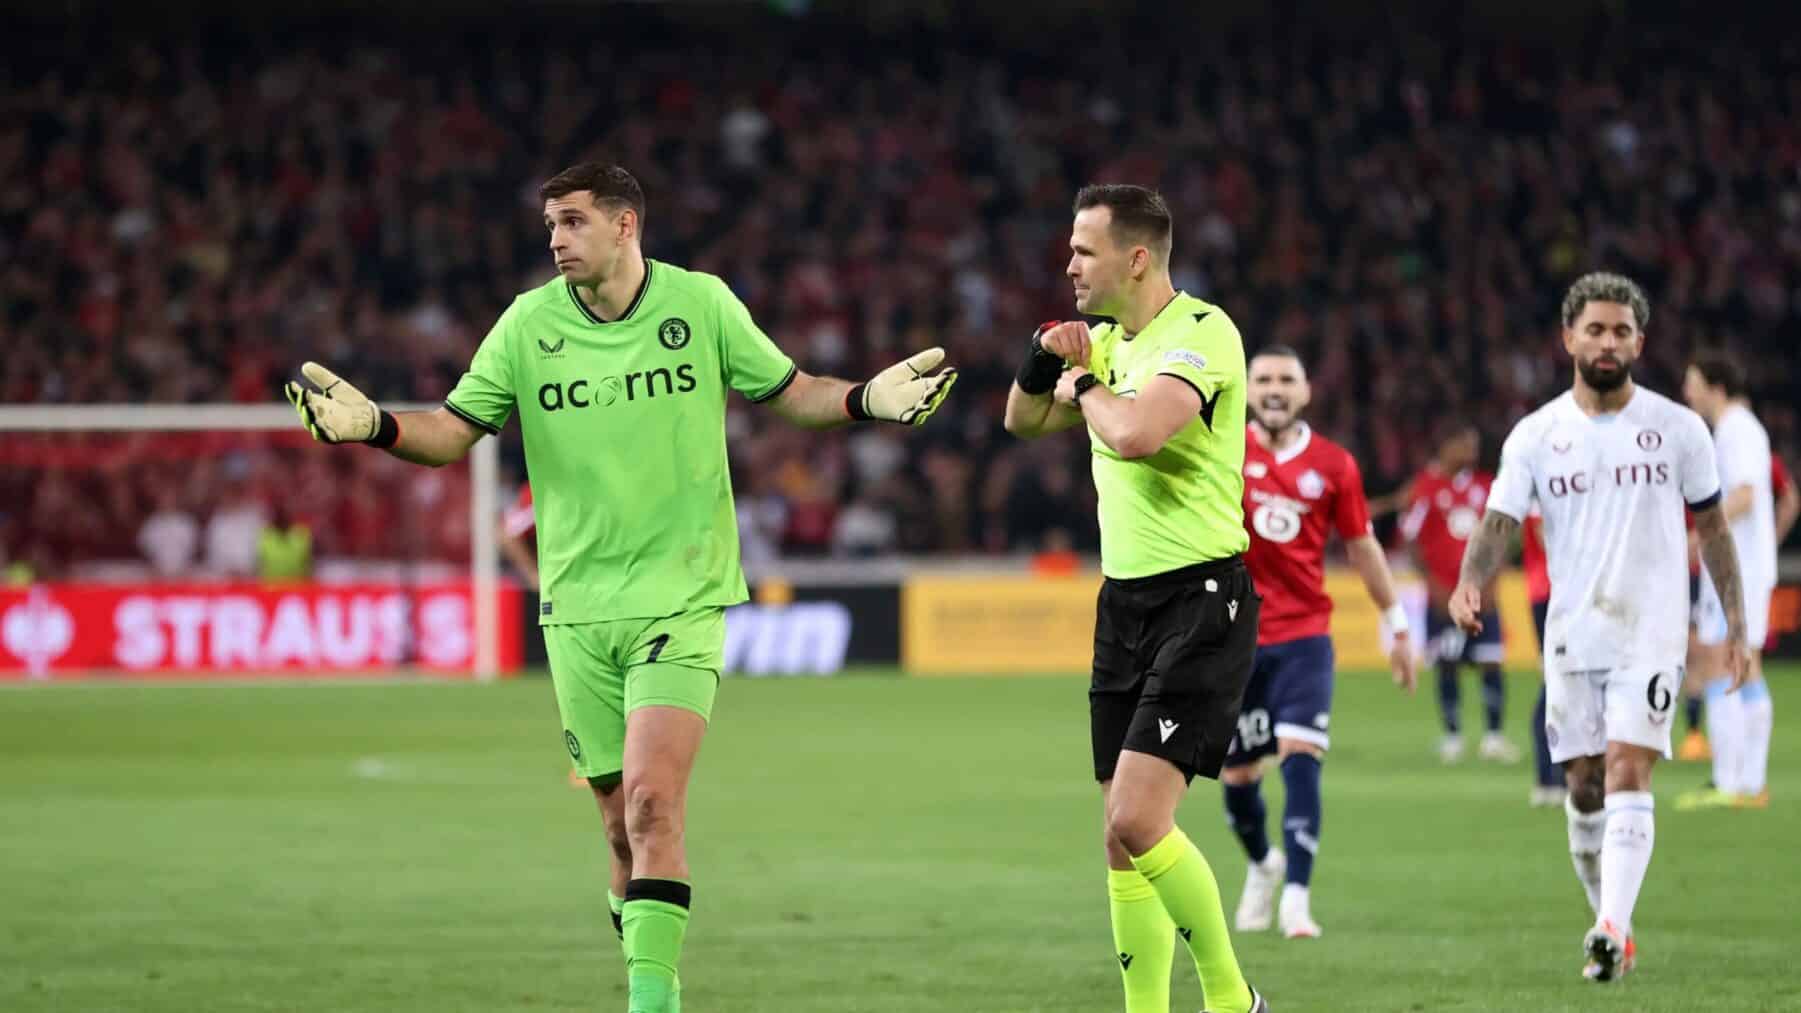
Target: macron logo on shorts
1166, 728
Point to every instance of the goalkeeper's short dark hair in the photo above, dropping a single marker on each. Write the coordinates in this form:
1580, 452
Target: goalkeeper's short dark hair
611, 186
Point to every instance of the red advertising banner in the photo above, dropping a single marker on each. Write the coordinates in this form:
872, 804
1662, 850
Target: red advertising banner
59, 630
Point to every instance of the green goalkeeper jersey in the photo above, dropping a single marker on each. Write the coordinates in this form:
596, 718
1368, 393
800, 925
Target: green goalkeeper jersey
624, 426
1185, 503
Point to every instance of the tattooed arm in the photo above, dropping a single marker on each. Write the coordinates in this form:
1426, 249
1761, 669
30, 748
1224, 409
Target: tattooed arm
1482, 558
1721, 558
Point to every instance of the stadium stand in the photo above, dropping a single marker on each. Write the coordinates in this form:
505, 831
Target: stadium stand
184, 222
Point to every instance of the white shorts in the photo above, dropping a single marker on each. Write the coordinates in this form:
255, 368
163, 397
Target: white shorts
1710, 615
1585, 709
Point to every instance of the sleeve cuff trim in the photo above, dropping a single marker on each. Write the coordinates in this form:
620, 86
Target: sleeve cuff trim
1706, 502
776, 391
486, 427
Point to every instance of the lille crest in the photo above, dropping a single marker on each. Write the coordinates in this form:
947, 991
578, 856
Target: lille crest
1310, 485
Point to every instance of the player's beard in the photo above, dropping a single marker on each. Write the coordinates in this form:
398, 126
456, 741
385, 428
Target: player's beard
1291, 418
1605, 383
1271, 431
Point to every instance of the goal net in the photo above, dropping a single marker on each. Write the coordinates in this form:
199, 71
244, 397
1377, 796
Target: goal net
220, 540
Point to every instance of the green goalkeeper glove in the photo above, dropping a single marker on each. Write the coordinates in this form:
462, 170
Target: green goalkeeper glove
903, 392
338, 412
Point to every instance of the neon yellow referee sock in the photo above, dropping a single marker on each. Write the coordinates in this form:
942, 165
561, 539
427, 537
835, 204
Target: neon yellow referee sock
1185, 883
1144, 940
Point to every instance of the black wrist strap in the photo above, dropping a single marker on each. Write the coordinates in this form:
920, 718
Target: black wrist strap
1039, 373
853, 404
387, 433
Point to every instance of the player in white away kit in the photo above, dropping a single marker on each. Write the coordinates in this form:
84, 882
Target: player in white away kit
1738, 724
1610, 465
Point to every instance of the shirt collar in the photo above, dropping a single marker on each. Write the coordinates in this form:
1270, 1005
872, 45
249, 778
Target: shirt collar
638, 299
1300, 444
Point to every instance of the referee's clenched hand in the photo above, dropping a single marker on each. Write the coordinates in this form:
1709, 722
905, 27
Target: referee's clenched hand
1069, 340
1065, 393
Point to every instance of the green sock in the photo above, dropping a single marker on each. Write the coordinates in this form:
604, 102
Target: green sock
616, 904
1144, 940
655, 918
1184, 881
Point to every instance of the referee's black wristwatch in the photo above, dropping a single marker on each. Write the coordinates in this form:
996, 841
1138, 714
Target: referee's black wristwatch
1084, 383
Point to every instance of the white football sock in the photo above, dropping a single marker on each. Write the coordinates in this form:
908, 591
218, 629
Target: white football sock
1625, 854
1587, 834
1754, 755
1725, 735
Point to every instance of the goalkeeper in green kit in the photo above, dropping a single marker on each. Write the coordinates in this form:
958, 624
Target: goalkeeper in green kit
619, 369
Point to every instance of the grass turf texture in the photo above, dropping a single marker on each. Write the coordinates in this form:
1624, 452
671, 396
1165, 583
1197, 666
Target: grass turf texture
859, 844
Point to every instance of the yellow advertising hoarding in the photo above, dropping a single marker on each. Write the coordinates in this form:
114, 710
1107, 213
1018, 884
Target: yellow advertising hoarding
1022, 623
998, 624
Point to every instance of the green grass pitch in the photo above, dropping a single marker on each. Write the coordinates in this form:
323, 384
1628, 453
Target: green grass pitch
859, 844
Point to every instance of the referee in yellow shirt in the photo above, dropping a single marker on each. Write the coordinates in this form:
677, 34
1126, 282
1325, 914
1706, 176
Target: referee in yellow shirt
1161, 387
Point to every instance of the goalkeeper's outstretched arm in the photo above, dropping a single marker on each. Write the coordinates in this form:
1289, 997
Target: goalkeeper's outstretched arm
337, 412
433, 438
814, 402
907, 392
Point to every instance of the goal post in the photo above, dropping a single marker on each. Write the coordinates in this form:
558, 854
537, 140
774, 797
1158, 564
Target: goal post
484, 475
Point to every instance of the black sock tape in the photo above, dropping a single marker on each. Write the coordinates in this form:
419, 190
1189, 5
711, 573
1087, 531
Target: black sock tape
668, 891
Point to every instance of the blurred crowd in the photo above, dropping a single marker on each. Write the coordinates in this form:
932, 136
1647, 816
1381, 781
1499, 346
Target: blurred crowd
225, 506
186, 220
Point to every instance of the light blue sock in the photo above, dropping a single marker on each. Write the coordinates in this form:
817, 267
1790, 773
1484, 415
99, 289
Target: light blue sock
1725, 733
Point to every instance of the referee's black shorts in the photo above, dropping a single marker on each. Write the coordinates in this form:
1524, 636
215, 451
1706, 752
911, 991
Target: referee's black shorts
1172, 656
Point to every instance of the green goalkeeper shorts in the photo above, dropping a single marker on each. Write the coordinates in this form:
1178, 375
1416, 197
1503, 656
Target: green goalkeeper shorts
604, 671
